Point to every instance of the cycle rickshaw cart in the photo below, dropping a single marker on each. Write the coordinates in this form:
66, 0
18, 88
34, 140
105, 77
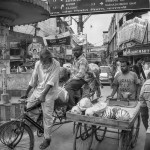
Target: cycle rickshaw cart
87, 127
19, 133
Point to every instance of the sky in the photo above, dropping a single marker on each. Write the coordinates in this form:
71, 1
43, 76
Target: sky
94, 27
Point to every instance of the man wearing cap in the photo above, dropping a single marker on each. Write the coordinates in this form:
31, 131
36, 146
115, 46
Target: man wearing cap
44, 80
78, 74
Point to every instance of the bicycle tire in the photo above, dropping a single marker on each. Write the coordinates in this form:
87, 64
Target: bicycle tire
16, 135
79, 142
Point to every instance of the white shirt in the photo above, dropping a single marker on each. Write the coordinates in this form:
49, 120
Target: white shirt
41, 77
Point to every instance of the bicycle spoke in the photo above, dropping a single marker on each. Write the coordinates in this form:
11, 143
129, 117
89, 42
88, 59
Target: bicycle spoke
16, 136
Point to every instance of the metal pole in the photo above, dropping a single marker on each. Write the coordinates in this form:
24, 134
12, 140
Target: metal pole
80, 25
4, 80
86, 47
4, 95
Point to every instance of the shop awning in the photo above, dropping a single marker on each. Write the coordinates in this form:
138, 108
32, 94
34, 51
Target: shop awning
21, 12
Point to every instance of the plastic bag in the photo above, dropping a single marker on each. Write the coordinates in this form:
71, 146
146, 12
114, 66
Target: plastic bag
63, 94
84, 103
94, 68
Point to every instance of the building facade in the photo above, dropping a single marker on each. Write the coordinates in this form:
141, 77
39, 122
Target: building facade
129, 36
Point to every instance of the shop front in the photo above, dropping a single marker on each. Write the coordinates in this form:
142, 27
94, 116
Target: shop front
142, 51
16, 12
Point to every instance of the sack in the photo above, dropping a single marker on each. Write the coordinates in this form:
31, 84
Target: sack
84, 103
94, 68
64, 74
63, 94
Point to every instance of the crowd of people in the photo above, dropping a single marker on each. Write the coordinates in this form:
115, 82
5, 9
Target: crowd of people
124, 77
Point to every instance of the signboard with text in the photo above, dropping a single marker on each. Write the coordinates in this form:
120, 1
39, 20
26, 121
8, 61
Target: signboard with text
68, 7
136, 51
60, 41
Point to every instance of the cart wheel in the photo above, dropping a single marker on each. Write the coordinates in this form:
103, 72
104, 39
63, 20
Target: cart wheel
135, 131
83, 137
125, 140
100, 133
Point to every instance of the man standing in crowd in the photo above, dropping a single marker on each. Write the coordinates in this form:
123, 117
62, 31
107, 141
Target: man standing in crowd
145, 97
113, 68
78, 75
44, 80
125, 81
98, 91
138, 69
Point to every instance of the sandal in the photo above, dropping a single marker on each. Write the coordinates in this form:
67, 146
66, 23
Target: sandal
45, 144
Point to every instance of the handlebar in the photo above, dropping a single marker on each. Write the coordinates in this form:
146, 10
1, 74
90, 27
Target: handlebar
23, 100
36, 104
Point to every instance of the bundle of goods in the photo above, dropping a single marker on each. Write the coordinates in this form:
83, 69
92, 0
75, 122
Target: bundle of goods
93, 68
96, 109
84, 103
64, 74
76, 110
62, 94
85, 107
100, 109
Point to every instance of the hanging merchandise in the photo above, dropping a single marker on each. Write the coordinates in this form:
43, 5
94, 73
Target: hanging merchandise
80, 39
34, 49
132, 30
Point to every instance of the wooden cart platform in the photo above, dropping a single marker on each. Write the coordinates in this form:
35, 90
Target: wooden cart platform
112, 123
87, 127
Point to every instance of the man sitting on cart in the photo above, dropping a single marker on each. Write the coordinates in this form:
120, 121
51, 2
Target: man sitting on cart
125, 81
78, 75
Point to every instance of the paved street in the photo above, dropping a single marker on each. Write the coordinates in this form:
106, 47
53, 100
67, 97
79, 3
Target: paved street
63, 137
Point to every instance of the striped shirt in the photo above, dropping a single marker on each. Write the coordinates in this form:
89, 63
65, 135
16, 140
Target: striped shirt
79, 68
42, 77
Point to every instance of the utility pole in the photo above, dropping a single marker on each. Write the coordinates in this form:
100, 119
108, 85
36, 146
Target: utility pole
35, 33
80, 25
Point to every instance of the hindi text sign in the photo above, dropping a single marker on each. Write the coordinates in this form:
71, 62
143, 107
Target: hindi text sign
70, 7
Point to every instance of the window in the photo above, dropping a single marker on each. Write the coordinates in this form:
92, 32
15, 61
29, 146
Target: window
14, 52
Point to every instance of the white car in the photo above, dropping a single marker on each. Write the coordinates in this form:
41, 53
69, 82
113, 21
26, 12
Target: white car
104, 75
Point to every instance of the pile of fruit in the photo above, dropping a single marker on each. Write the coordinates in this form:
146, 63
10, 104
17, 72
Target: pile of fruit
116, 113
100, 109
